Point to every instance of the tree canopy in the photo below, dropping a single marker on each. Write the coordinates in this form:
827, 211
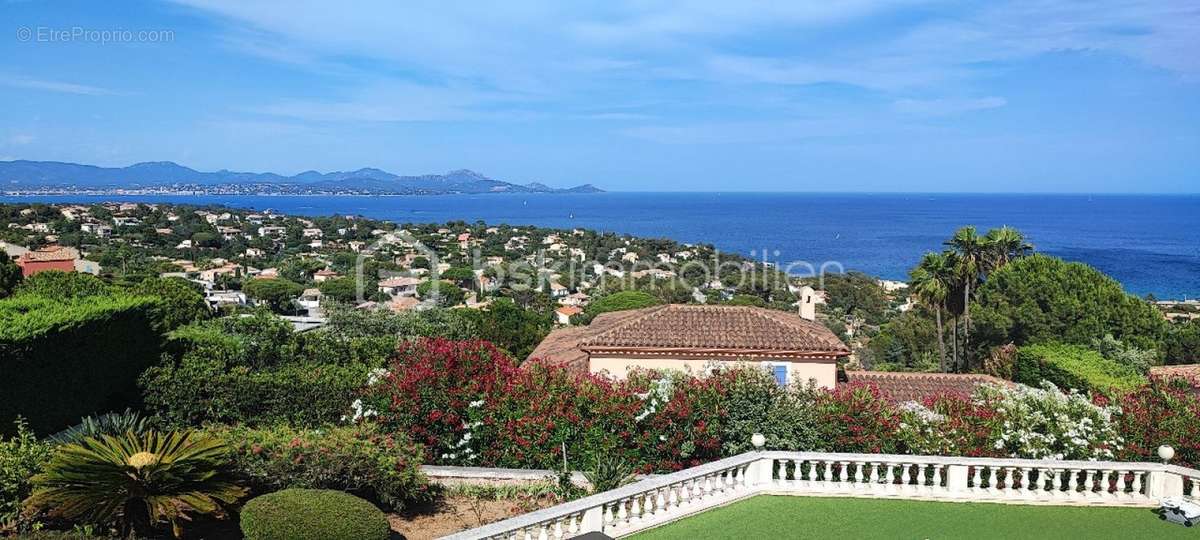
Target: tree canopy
278, 293
1040, 299
621, 301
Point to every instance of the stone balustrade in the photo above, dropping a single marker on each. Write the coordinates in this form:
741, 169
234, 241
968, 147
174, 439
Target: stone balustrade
665, 498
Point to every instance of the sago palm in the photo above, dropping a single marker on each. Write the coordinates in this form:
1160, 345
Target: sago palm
136, 483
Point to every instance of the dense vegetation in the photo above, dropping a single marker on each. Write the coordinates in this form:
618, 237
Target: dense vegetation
358, 405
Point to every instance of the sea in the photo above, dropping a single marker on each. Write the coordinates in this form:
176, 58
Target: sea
1150, 243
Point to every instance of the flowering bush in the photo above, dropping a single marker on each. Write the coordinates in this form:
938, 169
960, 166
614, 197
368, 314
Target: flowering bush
471, 405
430, 387
857, 418
680, 423
358, 459
950, 425
1044, 423
1160, 413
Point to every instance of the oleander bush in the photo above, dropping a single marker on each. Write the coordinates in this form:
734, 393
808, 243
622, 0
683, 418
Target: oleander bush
857, 418
67, 358
1046, 423
1074, 367
1162, 412
312, 514
358, 459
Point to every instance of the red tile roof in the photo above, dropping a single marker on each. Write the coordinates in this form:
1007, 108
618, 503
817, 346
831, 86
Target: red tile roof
902, 387
718, 328
687, 329
49, 253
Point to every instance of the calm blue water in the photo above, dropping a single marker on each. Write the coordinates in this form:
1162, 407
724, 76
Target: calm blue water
1150, 243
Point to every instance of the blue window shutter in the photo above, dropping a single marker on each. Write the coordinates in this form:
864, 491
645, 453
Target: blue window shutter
780, 375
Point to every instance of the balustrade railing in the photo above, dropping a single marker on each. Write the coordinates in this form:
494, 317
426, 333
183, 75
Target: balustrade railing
665, 498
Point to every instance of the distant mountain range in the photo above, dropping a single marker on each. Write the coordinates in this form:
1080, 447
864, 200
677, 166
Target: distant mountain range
34, 176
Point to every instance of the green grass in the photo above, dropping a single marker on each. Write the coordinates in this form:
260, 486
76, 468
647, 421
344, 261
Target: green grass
862, 519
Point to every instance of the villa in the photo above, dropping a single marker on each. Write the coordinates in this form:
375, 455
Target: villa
47, 258
699, 339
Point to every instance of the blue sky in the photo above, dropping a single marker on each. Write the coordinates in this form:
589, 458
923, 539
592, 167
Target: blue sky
1041, 96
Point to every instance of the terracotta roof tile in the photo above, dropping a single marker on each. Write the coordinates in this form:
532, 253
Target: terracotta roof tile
49, 254
679, 326
698, 328
902, 387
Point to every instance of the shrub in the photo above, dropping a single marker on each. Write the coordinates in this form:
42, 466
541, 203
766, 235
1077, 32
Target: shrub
312, 514
431, 386
1161, 412
64, 359
1073, 367
180, 302
951, 425
57, 285
137, 483
21, 457
201, 389
754, 403
1044, 423
357, 459
856, 418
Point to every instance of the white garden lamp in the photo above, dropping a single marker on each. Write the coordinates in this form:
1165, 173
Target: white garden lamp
1166, 453
758, 440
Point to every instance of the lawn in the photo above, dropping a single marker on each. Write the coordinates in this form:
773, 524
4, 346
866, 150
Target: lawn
809, 517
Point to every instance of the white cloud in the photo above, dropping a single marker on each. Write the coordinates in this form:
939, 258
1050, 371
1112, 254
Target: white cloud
946, 106
20, 139
55, 86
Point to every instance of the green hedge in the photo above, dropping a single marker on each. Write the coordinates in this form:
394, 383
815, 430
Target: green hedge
385, 468
1073, 366
199, 390
65, 359
312, 514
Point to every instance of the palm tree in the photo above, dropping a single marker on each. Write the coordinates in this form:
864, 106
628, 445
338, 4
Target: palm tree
971, 251
1003, 245
931, 283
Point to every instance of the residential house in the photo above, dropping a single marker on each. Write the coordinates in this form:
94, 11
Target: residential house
324, 275
563, 314
557, 290
47, 258
310, 300
400, 286
698, 338
575, 299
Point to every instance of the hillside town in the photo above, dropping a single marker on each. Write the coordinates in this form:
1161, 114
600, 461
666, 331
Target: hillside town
410, 351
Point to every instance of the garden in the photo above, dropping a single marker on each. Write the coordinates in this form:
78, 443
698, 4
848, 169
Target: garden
239, 427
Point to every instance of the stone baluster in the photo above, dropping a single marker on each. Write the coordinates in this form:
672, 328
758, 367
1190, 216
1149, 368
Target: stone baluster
827, 474
859, 473
993, 483
937, 477
1196, 488
1137, 484
1122, 483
